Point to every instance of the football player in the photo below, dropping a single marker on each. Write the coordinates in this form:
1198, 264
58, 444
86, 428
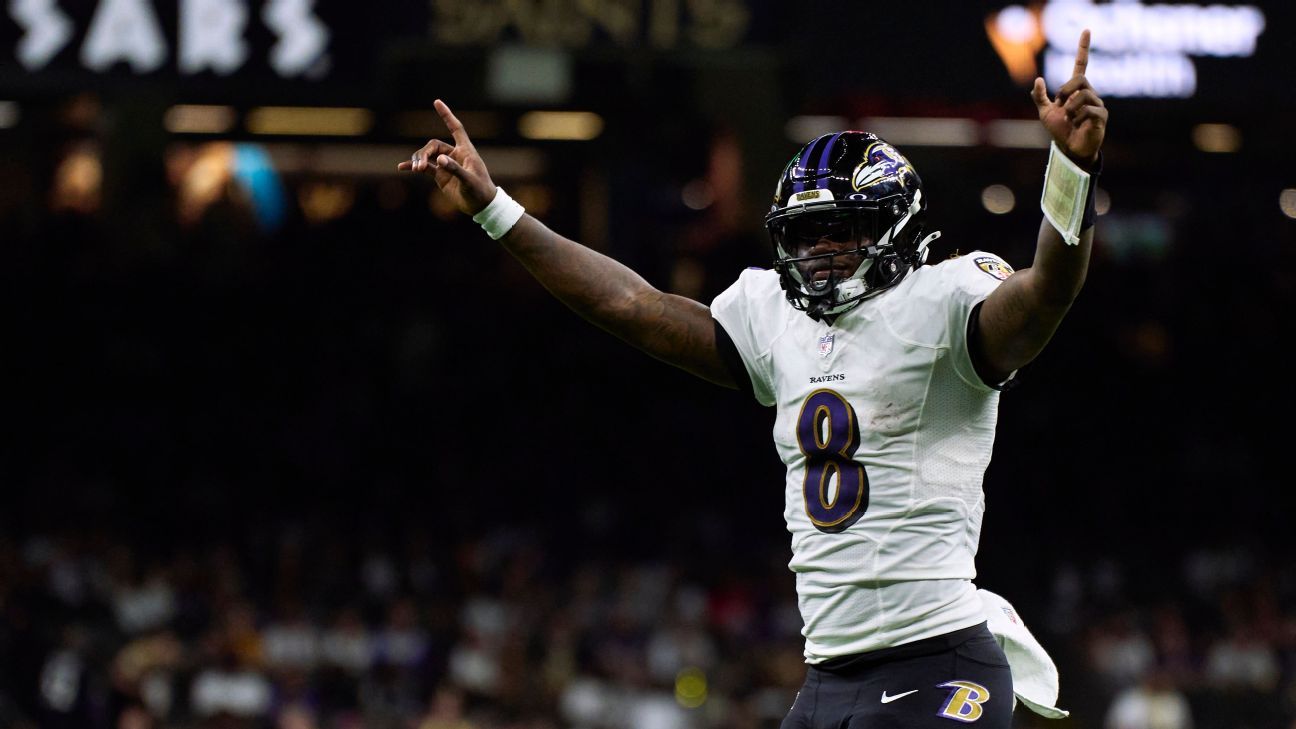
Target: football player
885, 373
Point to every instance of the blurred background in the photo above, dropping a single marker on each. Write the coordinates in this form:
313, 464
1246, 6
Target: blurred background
286, 442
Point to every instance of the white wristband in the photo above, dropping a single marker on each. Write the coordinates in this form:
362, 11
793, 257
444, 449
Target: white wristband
500, 216
1066, 189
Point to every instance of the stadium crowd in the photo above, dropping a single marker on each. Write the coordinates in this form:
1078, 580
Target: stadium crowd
290, 628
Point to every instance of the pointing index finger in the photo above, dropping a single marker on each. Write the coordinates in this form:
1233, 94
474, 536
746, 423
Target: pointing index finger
1082, 54
452, 123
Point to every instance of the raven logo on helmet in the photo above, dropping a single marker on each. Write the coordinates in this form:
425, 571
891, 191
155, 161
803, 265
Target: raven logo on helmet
882, 163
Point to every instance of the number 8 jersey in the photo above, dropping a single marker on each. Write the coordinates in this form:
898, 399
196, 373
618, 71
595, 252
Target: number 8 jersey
886, 430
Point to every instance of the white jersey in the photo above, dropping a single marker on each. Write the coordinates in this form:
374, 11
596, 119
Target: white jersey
886, 430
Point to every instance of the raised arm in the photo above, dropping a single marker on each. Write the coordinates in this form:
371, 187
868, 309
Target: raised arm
672, 328
1020, 316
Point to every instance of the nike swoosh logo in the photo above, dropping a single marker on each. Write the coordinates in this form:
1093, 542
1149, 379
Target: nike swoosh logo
888, 699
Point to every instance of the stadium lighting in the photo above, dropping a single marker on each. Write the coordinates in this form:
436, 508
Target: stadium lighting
9, 114
309, 121
801, 129
928, 131
924, 131
199, 119
1287, 202
697, 195
579, 126
998, 199
78, 180
1017, 134
1219, 138
322, 202
1102, 201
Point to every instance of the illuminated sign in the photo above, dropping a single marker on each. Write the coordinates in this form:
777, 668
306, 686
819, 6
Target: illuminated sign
210, 36
664, 24
1137, 49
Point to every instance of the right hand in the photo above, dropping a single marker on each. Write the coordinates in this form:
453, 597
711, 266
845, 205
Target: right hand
458, 170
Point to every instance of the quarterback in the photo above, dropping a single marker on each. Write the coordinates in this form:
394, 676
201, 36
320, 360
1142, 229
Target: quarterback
885, 373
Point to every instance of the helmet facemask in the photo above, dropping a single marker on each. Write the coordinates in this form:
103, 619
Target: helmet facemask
871, 245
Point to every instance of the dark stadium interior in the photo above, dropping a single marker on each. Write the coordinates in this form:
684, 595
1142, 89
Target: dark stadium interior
352, 462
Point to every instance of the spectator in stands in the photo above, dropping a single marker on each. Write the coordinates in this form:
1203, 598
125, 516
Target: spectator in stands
446, 711
1242, 661
1154, 703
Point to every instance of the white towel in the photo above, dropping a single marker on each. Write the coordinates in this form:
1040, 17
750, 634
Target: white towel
1035, 678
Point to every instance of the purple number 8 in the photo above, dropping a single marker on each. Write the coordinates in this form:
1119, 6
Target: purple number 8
828, 434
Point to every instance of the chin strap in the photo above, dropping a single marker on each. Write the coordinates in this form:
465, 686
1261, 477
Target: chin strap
922, 247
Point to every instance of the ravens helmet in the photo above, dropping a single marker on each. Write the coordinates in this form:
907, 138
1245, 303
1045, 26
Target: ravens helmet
847, 222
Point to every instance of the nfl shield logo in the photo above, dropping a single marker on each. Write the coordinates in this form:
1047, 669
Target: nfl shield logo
1007, 611
826, 344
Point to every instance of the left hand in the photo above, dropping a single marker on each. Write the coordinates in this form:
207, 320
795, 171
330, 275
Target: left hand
1076, 118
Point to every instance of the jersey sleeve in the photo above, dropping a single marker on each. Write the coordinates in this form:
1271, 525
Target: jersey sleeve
970, 279
739, 310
